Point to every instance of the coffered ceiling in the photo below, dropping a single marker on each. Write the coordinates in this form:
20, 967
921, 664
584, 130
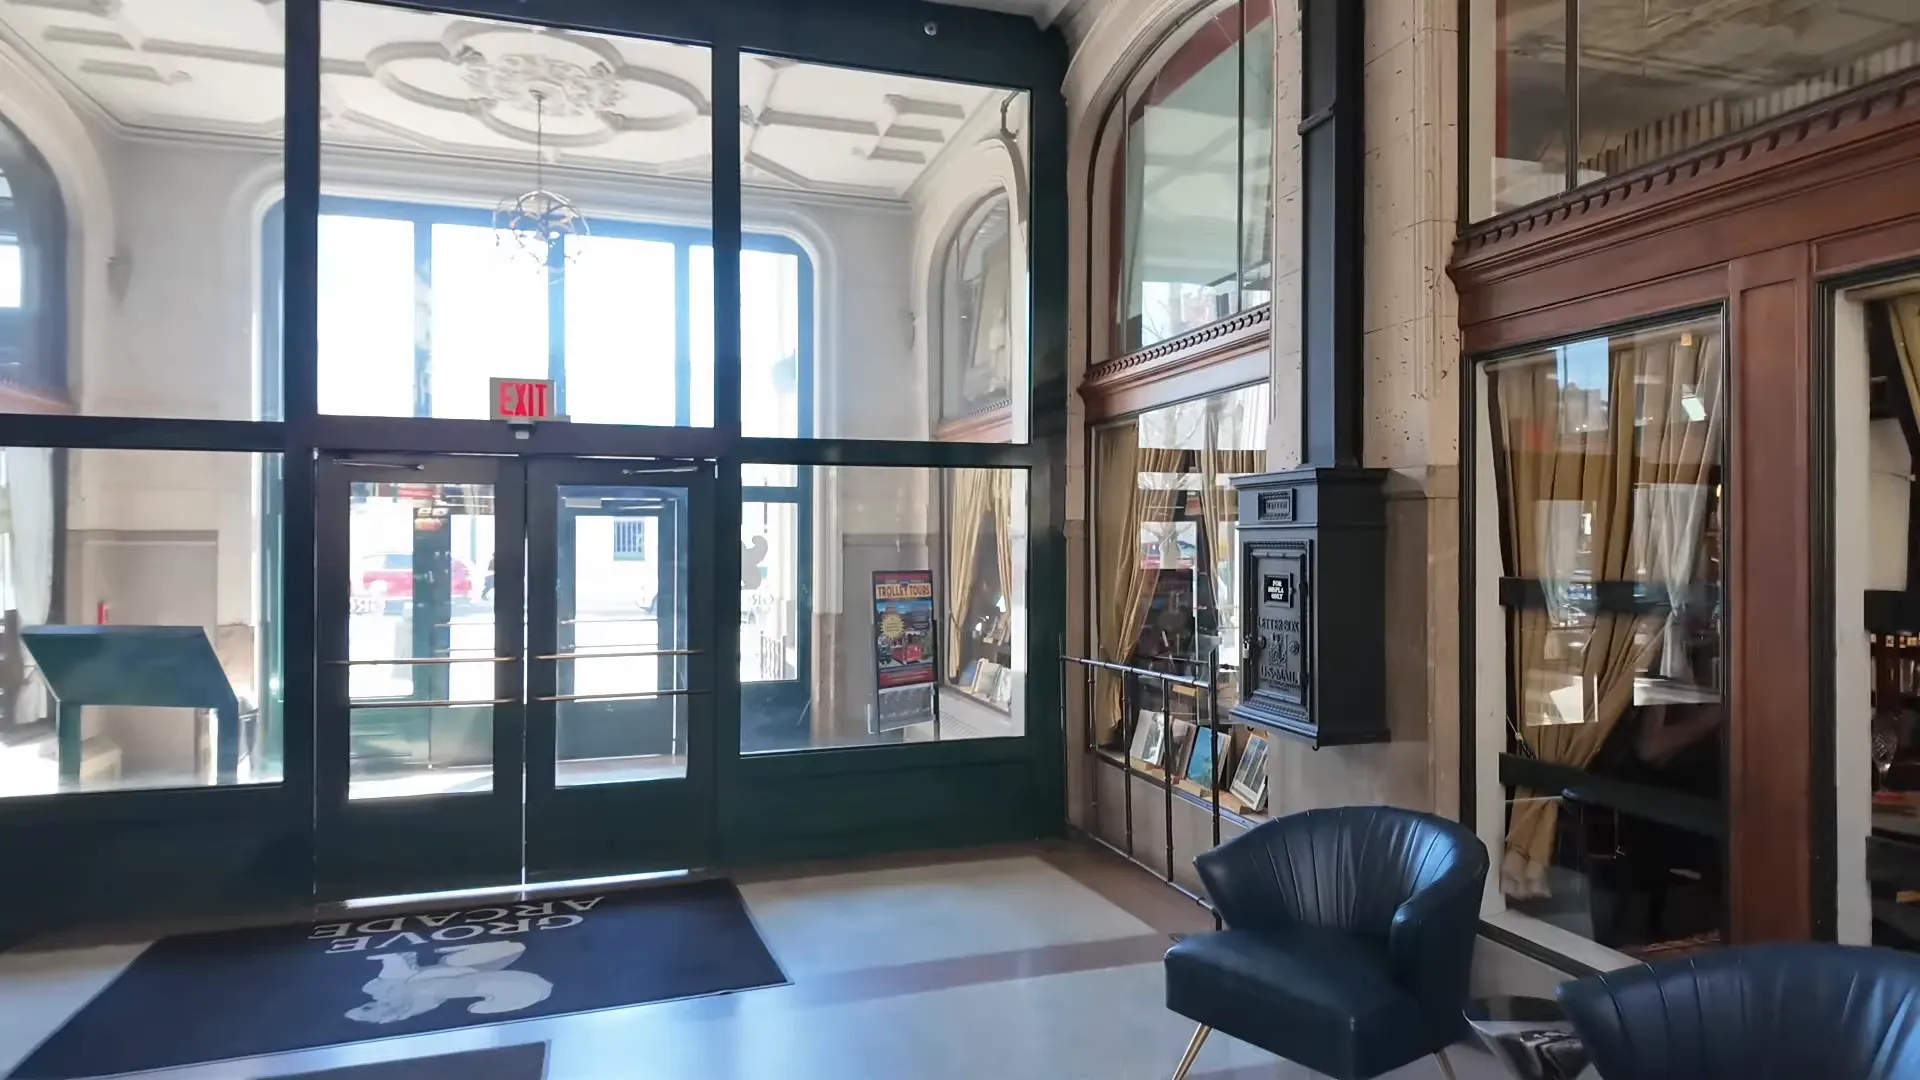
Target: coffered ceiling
442, 85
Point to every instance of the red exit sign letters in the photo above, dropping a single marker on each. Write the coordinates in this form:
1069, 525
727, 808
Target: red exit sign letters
524, 400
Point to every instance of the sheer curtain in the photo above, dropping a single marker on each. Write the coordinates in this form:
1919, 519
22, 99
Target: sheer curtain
1575, 473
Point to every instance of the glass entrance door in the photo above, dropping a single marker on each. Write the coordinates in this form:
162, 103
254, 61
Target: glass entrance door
509, 666
620, 745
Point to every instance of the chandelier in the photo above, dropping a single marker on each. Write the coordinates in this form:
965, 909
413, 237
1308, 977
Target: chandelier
540, 221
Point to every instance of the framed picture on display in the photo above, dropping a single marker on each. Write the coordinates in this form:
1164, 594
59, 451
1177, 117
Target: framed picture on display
1210, 751
1179, 741
1149, 737
1250, 778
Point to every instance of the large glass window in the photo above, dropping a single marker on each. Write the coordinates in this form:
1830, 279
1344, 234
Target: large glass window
128, 222
1605, 458
422, 305
1193, 162
891, 616
33, 278
923, 313
1875, 357
1562, 93
550, 219
1165, 537
138, 636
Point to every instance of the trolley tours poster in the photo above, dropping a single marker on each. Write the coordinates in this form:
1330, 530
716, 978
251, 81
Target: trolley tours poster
905, 649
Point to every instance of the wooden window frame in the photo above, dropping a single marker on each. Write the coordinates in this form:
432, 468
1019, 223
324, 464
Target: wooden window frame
1766, 224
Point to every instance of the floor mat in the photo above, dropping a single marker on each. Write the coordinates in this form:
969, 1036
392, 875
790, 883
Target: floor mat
246, 993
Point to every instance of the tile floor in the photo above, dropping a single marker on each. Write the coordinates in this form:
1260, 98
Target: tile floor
1040, 963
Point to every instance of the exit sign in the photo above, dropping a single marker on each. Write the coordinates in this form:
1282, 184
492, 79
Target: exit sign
525, 399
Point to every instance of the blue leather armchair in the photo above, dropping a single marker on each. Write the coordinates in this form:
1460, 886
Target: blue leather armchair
1757, 1012
1349, 937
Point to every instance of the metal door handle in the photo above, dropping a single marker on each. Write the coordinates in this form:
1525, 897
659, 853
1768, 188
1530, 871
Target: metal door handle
415, 661
627, 653
411, 704
648, 695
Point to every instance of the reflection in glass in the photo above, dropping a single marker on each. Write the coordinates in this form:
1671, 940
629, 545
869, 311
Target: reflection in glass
1607, 455
58, 567
1194, 213
877, 525
1883, 369
622, 661
1654, 78
421, 672
770, 591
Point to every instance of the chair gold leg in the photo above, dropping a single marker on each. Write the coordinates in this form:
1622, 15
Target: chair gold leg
1446, 1067
1193, 1051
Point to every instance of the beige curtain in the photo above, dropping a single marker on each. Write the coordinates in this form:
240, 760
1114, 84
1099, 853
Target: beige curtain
1125, 588
1564, 454
1905, 311
972, 498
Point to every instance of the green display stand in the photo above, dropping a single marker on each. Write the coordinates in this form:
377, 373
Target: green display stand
172, 667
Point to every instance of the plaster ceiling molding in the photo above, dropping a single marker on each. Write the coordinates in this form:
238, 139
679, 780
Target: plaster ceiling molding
816, 128
211, 66
480, 89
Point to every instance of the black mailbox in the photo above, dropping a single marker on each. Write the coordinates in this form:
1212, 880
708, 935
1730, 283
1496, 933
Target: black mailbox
1313, 572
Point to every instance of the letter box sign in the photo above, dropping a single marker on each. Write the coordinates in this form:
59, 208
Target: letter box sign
1279, 654
524, 401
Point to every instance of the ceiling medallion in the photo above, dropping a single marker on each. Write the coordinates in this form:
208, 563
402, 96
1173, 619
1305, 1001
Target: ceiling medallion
539, 222
527, 80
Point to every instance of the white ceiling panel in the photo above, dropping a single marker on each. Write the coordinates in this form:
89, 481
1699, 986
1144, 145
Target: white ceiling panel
468, 88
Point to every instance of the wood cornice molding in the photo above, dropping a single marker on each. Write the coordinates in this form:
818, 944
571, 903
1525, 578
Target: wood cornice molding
992, 424
1831, 141
1134, 375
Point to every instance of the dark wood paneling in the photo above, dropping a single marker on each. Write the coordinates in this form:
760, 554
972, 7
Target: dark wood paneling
1756, 222
1692, 290
1862, 249
1770, 620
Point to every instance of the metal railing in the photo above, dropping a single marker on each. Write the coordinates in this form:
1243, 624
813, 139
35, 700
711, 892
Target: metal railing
1206, 697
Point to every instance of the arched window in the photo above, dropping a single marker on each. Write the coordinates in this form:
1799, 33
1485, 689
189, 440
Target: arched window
33, 375
1191, 190
33, 264
976, 311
